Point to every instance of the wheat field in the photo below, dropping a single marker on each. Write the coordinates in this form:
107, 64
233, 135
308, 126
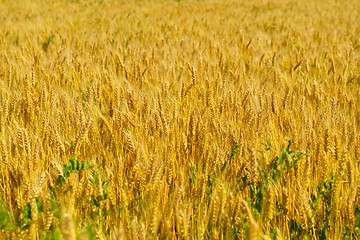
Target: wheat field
152, 119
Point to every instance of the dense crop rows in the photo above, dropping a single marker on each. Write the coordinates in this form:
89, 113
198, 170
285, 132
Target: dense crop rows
179, 119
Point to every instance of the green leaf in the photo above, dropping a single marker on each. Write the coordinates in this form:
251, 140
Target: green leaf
39, 205
224, 166
90, 232
57, 234
267, 145
27, 211
273, 233
5, 219
54, 205
233, 151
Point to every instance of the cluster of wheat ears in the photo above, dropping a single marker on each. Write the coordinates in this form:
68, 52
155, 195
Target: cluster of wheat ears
179, 119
